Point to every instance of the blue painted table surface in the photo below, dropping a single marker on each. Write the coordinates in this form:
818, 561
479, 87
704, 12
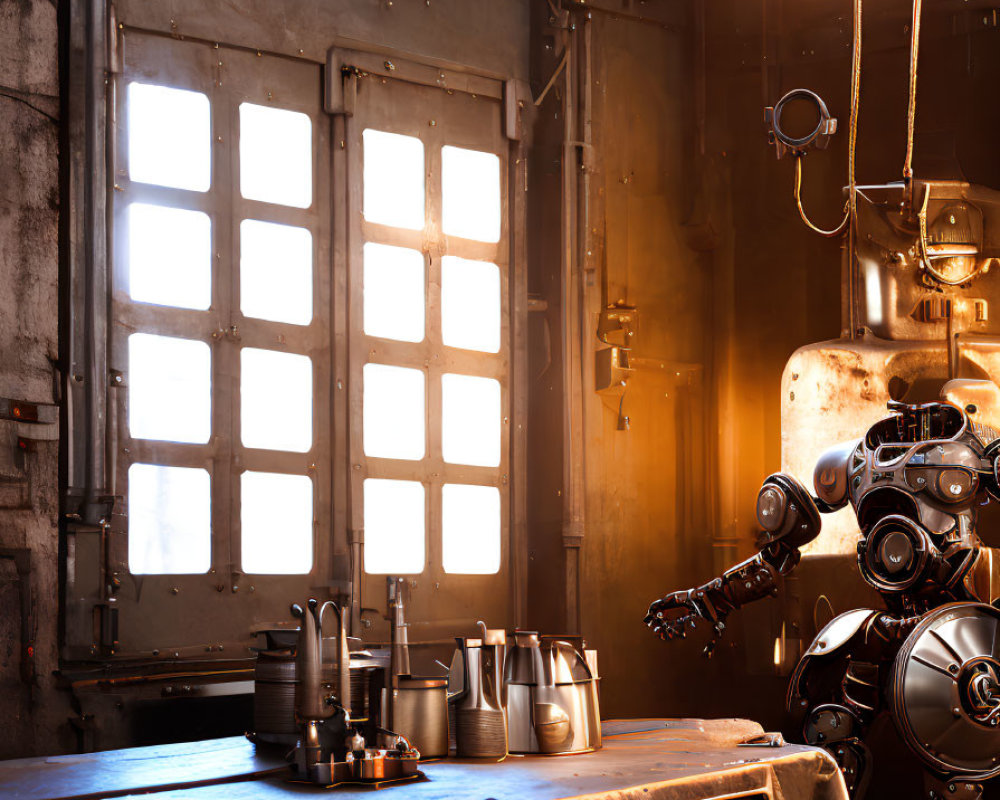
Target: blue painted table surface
651, 759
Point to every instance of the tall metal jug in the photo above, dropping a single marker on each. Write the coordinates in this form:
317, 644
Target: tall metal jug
480, 723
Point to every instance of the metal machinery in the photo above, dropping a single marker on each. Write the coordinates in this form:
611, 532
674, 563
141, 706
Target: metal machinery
918, 324
920, 275
543, 692
932, 659
330, 749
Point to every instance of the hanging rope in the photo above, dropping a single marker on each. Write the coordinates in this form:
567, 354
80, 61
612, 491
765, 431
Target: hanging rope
911, 113
852, 134
852, 145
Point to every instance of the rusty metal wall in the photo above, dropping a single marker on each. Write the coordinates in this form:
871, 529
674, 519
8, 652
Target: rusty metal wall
485, 34
652, 493
783, 278
695, 221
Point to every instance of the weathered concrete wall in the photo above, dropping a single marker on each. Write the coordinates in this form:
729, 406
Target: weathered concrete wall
30, 718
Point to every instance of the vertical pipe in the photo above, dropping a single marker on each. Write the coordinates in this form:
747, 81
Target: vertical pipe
111, 162
700, 74
95, 258
584, 278
572, 532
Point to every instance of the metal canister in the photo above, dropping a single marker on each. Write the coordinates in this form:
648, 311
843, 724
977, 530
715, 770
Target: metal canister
420, 713
274, 697
274, 692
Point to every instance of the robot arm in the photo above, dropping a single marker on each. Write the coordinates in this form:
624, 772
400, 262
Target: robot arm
790, 519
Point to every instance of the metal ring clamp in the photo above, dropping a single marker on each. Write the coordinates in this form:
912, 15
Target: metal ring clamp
819, 137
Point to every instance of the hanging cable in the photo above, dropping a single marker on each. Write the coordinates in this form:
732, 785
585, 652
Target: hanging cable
561, 66
852, 133
911, 113
852, 146
797, 147
802, 213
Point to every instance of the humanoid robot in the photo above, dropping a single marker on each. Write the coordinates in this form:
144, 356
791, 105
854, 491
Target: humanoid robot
932, 658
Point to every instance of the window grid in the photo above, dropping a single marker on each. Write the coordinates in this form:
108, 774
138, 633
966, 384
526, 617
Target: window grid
221, 325
436, 360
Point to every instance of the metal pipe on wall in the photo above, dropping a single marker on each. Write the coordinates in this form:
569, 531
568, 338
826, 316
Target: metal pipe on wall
573, 481
96, 260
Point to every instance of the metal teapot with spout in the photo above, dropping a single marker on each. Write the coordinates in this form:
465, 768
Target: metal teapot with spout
551, 696
328, 750
478, 713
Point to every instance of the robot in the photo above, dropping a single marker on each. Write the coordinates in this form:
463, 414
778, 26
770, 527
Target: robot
932, 658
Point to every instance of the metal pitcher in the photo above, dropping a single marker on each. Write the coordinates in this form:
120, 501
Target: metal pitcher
480, 723
551, 696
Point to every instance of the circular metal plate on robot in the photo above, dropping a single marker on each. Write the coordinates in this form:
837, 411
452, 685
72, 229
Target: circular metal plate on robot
938, 685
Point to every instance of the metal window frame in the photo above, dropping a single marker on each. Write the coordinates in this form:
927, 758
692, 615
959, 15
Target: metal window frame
228, 76
347, 68
91, 53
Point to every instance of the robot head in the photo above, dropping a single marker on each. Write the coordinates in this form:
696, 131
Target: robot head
915, 482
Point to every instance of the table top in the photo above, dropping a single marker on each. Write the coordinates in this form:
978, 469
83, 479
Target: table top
651, 758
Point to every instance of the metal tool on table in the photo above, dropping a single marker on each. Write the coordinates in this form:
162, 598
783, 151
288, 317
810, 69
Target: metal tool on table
413, 706
478, 713
274, 685
329, 749
551, 696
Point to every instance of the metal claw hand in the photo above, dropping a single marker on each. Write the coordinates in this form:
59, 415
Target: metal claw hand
717, 630
674, 627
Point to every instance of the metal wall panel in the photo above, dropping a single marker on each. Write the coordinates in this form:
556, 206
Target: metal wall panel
485, 36
441, 605
236, 603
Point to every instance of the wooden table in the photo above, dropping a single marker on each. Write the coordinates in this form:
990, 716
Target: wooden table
641, 759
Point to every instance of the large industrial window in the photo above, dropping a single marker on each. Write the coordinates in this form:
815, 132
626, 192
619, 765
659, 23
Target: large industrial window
221, 329
430, 348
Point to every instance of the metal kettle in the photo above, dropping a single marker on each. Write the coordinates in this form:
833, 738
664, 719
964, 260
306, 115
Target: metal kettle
478, 713
551, 696
316, 703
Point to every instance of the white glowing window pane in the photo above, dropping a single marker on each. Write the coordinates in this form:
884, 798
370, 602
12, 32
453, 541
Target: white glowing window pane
170, 388
470, 194
276, 403
169, 137
470, 528
276, 272
470, 411
470, 304
169, 520
393, 179
169, 256
394, 527
394, 292
276, 523
393, 412
275, 155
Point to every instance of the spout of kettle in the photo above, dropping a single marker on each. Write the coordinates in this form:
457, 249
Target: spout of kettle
308, 703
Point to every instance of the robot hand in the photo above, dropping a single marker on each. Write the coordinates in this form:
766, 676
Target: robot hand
789, 518
692, 605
